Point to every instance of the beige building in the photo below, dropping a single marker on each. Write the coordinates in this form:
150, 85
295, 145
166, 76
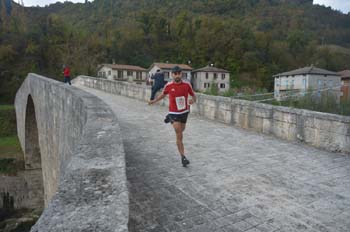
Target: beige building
122, 72
305, 79
166, 69
203, 78
345, 82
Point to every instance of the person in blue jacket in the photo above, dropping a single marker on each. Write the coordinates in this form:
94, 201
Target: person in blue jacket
158, 83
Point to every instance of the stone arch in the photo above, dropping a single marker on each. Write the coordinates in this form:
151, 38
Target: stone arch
32, 155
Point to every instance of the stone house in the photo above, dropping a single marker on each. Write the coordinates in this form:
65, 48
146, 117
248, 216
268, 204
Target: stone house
166, 69
299, 81
345, 85
122, 72
204, 77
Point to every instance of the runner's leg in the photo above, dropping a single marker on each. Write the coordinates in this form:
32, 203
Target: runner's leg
178, 131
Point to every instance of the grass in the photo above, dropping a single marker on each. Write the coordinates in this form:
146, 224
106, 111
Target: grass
10, 148
11, 156
9, 141
7, 107
10, 166
7, 120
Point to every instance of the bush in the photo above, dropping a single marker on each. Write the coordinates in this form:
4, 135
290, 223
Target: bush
7, 120
325, 102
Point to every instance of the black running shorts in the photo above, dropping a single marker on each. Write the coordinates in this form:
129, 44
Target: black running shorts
178, 117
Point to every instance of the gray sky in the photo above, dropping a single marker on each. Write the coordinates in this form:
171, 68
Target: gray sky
342, 5
44, 2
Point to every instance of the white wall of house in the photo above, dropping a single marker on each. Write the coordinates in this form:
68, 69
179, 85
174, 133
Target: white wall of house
202, 81
126, 75
302, 83
105, 72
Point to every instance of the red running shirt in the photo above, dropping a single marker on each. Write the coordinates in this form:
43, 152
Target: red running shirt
178, 95
66, 72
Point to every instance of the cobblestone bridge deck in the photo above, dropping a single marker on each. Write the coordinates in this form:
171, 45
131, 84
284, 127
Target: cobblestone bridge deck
238, 180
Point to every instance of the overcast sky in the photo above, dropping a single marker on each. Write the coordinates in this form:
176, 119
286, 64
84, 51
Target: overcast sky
342, 5
44, 2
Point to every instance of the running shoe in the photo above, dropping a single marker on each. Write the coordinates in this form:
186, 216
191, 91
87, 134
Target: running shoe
184, 161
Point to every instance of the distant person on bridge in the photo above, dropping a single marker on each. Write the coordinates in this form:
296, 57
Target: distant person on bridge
158, 83
66, 74
179, 109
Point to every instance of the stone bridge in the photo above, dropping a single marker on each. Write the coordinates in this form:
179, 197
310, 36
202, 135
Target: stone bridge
109, 163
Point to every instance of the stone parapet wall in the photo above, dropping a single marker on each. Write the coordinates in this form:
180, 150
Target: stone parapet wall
327, 131
81, 156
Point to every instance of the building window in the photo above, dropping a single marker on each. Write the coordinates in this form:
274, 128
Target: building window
184, 75
138, 76
166, 75
206, 75
215, 76
109, 73
120, 74
206, 85
223, 76
222, 85
292, 83
130, 73
277, 82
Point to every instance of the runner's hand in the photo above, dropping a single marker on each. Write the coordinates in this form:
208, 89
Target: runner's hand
190, 101
150, 102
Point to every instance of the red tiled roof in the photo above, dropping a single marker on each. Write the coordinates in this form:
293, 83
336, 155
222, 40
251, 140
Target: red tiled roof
344, 74
210, 69
170, 66
123, 67
307, 70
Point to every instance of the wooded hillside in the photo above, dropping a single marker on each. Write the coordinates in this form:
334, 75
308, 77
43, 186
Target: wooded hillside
253, 39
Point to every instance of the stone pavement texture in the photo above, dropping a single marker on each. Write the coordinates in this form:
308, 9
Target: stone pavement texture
238, 180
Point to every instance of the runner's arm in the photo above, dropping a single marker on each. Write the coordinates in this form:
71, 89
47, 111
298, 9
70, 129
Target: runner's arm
193, 100
160, 97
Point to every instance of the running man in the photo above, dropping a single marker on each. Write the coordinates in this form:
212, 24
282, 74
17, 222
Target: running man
179, 109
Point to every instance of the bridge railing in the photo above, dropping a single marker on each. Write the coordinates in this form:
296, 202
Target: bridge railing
323, 130
81, 156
